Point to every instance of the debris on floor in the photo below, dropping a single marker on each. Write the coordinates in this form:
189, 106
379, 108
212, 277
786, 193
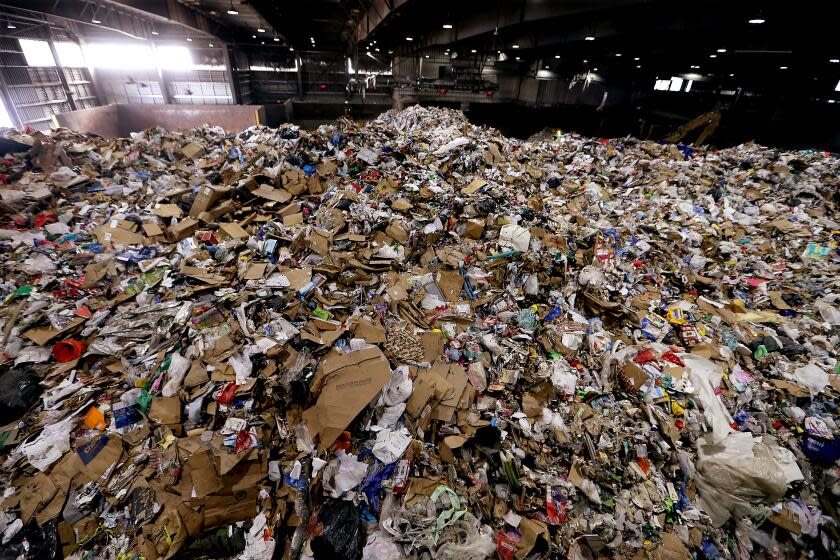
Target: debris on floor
416, 339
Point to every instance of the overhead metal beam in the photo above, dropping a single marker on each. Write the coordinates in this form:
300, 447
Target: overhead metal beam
375, 14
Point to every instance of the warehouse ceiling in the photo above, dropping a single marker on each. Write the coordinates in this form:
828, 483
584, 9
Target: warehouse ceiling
625, 40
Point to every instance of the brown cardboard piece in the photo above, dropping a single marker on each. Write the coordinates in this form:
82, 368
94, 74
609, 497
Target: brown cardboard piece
166, 410
192, 150
449, 445
671, 548
372, 332
234, 230
204, 476
270, 193
152, 229
350, 382
167, 211
474, 186
183, 229
531, 530
207, 197
450, 283
42, 335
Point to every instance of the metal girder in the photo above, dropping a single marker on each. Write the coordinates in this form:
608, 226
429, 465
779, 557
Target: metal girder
170, 12
376, 14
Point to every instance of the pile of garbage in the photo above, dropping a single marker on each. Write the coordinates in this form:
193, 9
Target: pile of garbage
416, 339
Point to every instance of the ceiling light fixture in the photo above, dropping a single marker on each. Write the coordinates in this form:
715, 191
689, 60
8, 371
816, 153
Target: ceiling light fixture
473, 51
731, 75
757, 21
515, 45
155, 32
10, 25
93, 18
427, 56
409, 38
589, 38
636, 58
712, 56
594, 69
447, 26
556, 56
618, 54
209, 44
232, 11
518, 58
721, 50
189, 39
783, 67
276, 38
546, 67
835, 60
638, 66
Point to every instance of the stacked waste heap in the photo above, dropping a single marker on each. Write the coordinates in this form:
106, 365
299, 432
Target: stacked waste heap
416, 339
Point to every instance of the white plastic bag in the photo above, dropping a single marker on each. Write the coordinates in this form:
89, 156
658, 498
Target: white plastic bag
178, 368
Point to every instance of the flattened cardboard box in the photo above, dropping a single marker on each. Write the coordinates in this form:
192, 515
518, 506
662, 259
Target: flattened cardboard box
350, 382
207, 197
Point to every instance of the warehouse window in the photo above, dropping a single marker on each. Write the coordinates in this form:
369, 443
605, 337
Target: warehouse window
174, 58
36, 53
70, 54
5, 119
120, 56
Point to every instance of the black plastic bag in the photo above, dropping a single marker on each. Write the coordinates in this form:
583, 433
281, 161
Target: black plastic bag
343, 535
19, 390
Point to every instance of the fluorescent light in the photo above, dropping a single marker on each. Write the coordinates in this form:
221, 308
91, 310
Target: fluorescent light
638, 66
618, 54
232, 11
409, 38
473, 51
688, 85
712, 56
276, 38
676, 83
447, 26
515, 45
189, 39
427, 56
211, 44
594, 69
835, 60
518, 58
635, 58
589, 38
260, 29
252, 37
783, 67
585, 61
556, 56
155, 33
94, 20
695, 67
546, 67
377, 49
757, 21
11, 25
721, 50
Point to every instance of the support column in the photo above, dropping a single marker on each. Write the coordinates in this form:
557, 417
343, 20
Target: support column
299, 76
8, 102
164, 83
68, 94
233, 82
